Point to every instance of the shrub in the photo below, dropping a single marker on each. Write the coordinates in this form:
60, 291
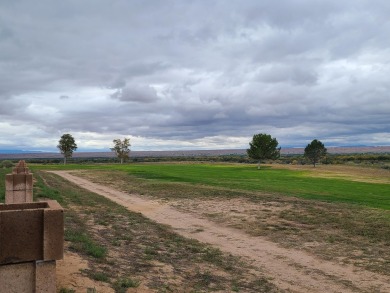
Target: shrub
6, 164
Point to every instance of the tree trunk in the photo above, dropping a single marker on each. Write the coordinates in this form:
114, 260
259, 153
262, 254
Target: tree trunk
64, 160
121, 160
258, 165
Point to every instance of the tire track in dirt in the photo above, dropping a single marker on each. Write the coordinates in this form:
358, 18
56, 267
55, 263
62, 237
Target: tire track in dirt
290, 269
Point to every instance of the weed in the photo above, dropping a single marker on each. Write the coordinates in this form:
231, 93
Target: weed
102, 222
205, 278
65, 290
198, 230
82, 242
122, 284
99, 276
95, 250
216, 257
235, 288
116, 242
263, 285
150, 251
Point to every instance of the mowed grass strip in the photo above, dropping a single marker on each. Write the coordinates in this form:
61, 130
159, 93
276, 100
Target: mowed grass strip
246, 177
128, 250
267, 179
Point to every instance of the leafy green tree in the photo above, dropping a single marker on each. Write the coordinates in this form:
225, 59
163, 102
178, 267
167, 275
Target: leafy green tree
121, 148
262, 147
315, 151
67, 145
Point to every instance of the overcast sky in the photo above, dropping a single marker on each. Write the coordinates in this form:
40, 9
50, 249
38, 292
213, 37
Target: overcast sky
194, 74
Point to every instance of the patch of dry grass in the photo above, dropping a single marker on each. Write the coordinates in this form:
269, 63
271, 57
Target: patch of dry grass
139, 251
342, 232
354, 173
331, 231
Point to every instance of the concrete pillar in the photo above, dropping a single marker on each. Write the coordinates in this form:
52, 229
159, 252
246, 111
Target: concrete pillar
19, 185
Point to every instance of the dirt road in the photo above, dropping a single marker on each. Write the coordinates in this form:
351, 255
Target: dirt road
289, 269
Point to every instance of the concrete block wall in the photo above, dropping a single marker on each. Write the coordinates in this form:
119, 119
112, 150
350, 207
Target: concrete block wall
28, 277
31, 240
31, 231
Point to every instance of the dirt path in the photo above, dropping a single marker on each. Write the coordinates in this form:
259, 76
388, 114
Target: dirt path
289, 269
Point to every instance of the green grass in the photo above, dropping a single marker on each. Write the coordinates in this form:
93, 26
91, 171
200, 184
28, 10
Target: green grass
272, 180
287, 182
248, 178
83, 242
42, 190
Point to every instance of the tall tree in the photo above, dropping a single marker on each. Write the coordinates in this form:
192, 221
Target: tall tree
121, 148
67, 145
262, 147
314, 151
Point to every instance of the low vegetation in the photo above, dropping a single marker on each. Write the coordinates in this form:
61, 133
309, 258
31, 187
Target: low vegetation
342, 219
339, 213
125, 250
275, 180
6, 164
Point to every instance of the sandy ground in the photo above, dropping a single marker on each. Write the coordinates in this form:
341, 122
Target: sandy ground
68, 272
69, 275
290, 269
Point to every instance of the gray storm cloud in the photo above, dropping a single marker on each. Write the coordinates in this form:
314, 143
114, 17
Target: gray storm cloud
136, 93
195, 70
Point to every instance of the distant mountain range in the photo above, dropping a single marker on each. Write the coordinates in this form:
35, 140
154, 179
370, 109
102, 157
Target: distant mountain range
18, 154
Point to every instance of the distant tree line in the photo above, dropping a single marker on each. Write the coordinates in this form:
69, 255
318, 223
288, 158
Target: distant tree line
263, 148
370, 159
